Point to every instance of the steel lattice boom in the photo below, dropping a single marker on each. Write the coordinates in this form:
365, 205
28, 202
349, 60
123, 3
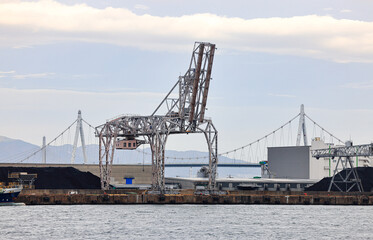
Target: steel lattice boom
348, 151
185, 114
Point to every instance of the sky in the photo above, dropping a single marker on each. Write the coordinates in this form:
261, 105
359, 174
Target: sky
108, 58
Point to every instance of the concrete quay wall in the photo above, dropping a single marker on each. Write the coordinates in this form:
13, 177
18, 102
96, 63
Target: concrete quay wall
188, 197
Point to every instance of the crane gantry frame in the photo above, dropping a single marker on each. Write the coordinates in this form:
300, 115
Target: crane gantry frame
344, 155
185, 114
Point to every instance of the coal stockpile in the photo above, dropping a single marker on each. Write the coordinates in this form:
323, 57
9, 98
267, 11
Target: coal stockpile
365, 175
55, 177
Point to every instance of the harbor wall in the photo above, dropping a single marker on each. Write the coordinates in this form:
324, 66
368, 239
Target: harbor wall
52, 197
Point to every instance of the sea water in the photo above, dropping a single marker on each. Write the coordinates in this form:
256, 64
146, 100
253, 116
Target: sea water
186, 222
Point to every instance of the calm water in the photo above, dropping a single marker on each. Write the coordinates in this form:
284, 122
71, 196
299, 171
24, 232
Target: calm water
186, 222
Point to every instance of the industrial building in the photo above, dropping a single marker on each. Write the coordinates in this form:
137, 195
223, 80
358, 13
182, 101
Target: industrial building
289, 168
296, 162
228, 184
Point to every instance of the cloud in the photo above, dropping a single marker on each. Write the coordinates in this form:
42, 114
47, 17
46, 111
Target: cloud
50, 111
345, 11
32, 75
322, 37
13, 75
141, 7
21, 46
36, 99
359, 85
282, 95
49, 100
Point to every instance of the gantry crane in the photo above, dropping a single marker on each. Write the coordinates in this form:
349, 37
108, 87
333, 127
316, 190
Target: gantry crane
344, 154
185, 114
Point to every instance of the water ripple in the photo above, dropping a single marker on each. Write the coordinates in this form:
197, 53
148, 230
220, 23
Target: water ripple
186, 222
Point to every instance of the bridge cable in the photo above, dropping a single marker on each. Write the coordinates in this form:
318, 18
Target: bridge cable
54, 140
323, 129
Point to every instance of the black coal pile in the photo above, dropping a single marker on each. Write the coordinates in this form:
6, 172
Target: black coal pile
55, 177
365, 175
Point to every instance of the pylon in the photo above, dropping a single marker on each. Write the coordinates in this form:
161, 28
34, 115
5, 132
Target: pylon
79, 131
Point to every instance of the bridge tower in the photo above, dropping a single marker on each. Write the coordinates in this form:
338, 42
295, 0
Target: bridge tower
79, 131
302, 127
44, 150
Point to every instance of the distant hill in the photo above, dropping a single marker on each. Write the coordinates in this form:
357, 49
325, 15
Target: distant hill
14, 151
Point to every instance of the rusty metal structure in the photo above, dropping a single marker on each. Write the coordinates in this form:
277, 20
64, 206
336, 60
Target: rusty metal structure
184, 114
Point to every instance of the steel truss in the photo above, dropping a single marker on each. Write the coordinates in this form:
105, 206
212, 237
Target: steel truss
107, 140
351, 178
365, 150
347, 182
185, 114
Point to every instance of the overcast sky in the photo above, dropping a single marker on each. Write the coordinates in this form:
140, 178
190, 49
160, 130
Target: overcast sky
114, 57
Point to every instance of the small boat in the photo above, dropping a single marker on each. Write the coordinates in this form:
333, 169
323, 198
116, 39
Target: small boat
8, 195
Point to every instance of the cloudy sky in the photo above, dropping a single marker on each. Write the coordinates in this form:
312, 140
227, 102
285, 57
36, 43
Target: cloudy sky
115, 57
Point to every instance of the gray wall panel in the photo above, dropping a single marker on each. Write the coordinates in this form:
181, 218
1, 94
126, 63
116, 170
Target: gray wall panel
289, 162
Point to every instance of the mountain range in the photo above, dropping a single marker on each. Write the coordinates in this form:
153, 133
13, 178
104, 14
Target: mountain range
15, 151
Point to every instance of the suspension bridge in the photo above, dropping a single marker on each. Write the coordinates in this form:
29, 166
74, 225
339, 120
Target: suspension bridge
65, 145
